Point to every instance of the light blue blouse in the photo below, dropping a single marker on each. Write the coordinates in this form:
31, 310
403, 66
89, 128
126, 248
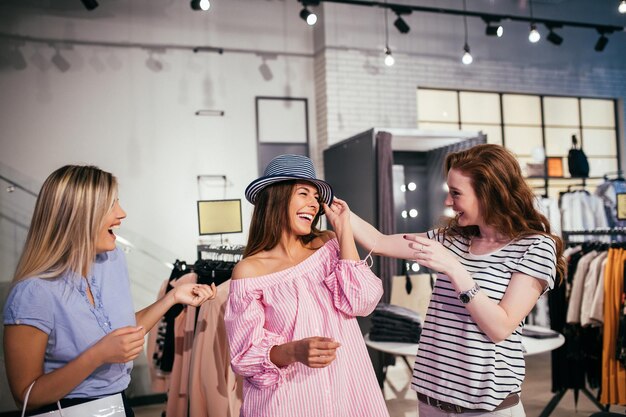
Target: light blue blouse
60, 308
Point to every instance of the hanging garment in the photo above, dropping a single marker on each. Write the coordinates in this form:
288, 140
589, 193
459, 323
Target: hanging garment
608, 192
595, 277
613, 390
184, 324
549, 207
215, 390
582, 211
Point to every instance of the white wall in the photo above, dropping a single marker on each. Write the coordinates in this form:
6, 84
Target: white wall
113, 110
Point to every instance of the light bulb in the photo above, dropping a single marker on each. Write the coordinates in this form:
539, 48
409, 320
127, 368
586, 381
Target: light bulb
467, 58
534, 35
412, 186
389, 59
500, 31
622, 7
311, 19
205, 5
404, 214
412, 213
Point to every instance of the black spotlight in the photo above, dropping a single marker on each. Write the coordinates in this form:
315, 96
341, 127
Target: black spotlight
554, 38
90, 4
203, 5
494, 31
601, 44
309, 17
401, 25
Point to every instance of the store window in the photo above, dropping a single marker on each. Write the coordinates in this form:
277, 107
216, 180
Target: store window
532, 127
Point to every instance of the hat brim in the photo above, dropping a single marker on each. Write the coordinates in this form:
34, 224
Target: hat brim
256, 186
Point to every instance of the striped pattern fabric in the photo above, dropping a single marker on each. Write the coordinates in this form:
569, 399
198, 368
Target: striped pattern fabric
456, 362
318, 297
289, 167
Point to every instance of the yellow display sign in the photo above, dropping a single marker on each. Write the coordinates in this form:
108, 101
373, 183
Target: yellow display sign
219, 216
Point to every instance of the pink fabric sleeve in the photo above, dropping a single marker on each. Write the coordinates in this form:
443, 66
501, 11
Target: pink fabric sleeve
250, 343
355, 289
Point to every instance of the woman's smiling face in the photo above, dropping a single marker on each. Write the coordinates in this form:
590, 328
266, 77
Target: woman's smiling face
303, 207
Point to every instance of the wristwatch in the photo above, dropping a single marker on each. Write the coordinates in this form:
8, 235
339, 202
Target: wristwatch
466, 296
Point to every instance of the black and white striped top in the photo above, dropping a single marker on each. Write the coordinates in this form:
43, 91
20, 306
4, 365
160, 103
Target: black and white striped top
458, 363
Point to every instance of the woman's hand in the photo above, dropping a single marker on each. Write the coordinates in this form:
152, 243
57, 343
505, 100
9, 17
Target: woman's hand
433, 255
194, 294
338, 214
120, 346
316, 352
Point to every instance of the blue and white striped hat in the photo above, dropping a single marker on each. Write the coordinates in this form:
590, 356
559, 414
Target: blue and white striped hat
289, 167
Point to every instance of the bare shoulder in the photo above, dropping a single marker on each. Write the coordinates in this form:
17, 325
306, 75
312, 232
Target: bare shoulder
247, 268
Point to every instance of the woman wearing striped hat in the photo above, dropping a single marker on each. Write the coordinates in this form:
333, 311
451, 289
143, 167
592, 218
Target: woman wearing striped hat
293, 299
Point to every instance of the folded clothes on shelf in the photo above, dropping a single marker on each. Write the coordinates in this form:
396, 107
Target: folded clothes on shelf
392, 323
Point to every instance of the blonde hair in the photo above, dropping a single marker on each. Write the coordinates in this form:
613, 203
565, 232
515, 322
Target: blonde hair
69, 212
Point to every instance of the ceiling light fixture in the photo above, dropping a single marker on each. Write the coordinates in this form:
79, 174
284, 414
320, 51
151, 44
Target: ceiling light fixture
389, 59
203, 5
534, 35
622, 7
554, 37
601, 43
90, 4
467, 57
400, 23
494, 30
309, 17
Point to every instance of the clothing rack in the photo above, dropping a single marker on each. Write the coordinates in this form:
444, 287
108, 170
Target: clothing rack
220, 250
618, 231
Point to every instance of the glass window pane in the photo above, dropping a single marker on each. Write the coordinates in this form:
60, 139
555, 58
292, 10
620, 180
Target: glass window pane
522, 140
600, 166
599, 142
437, 106
438, 126
561, 111
597, 113
494, 133
559, 140
521, 109
480, 107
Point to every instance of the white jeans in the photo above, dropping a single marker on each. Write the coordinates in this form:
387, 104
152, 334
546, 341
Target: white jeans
425, 410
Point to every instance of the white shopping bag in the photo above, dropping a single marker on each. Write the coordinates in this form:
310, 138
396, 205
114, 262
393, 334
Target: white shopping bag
111, 406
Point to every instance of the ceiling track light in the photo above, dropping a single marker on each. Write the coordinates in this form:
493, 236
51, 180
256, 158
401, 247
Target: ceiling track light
308, 16
622, 7
554, 38
90, 4
494, 30
601, 43
401, 25
202, 5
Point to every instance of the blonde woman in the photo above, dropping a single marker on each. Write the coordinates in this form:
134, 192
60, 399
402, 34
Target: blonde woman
69, 322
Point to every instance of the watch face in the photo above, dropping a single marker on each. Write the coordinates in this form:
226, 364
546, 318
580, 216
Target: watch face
464, 298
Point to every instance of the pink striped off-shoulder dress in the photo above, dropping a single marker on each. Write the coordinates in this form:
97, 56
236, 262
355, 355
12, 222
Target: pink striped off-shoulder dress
318, 297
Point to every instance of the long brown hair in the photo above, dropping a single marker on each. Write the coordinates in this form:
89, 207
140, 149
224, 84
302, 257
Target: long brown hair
69, 211
270, 218
505, 199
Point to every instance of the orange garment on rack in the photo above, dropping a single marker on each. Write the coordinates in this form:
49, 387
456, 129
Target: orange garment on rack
184, 324
215, 390
613, 389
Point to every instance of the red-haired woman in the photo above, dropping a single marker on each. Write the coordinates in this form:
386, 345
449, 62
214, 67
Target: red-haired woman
495, 258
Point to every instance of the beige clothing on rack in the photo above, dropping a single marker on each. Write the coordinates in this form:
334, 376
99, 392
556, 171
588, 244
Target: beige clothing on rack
214, 388
596, 313
184, 324
578, 284
596, 272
